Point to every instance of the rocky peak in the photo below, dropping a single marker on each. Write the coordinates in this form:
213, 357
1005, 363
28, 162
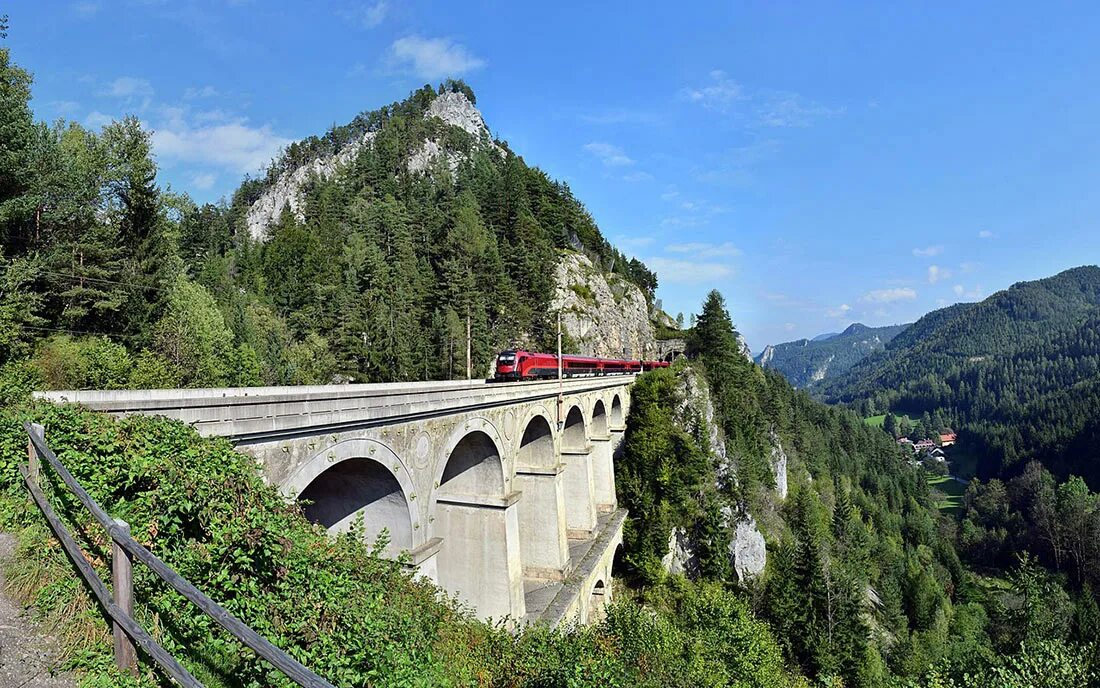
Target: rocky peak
288, 189
456, 109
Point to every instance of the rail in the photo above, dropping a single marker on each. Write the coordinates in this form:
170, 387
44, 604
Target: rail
119, 605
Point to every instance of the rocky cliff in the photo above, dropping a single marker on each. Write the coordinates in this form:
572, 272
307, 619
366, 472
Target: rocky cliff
603, 314
808, 361
747, 548
288, 189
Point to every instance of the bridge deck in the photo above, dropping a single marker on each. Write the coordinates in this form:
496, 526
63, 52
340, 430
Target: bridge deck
257, 414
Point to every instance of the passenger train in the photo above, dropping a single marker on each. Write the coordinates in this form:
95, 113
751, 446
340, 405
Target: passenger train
525, 365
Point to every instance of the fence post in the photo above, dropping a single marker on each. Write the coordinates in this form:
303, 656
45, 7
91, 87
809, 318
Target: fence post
34, 464
122, 575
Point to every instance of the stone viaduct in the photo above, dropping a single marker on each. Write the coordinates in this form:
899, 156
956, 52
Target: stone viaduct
502, 493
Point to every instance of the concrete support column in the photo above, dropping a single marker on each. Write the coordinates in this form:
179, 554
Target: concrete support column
544, 544
616, 434
423, 560
479, 559
580, 496
603, 474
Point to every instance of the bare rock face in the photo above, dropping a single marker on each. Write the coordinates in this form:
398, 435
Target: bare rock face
605, 315
745, 350
681, 558
457, 110
287, 191
768, 355
779, 465
696, 415
747, 549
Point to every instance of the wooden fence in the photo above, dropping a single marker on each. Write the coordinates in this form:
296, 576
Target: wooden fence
120, 605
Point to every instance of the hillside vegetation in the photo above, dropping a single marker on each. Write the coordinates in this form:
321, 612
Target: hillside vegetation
863, 585
808, 361
1017, 374
107, 280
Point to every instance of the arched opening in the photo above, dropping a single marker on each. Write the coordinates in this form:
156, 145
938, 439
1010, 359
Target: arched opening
580, 498
536, 447
574, 436
597, 603
544, 546
616, 412
603, 469
360, 487
478, 557
474, 468
599, 420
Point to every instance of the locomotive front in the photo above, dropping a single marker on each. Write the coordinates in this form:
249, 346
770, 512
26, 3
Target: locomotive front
507, 369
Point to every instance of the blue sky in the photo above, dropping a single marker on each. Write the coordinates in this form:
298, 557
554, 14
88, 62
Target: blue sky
819, 163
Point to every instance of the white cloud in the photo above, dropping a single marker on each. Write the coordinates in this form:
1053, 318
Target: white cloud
128, 87
762, 108
786, 109
975, 293
85, 9
670, 195
232, 145
986, 234
64, 107
638, 176
632, 241
889, 295
838, 312
928, 252
719, 94
619, 116
680, 221
705, 250
204, 180
368, 15
789, 327
97, 120
936, 274
204, 92
608, 154
676, 271
433, 58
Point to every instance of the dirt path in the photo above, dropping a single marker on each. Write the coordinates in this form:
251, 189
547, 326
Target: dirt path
28, 656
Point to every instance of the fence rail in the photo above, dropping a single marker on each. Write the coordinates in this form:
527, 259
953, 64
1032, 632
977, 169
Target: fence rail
119, 606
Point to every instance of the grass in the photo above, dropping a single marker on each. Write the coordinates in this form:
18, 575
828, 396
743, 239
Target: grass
877, 421
952, 491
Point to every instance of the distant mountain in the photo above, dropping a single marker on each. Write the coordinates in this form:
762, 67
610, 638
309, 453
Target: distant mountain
1018, 374
808, 361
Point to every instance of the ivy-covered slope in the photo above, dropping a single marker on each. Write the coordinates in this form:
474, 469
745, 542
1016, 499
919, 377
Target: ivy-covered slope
355, 619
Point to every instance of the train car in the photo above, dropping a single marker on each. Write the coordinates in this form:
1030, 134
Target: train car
527, 365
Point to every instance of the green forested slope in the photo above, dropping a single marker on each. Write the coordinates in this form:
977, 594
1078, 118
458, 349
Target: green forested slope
863, 585
1016, 374
108, 280
805, 362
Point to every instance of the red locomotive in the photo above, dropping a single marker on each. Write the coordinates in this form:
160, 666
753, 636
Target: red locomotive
525, 365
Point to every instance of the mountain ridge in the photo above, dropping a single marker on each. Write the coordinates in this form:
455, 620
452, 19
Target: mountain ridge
1015, 373
805, 362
